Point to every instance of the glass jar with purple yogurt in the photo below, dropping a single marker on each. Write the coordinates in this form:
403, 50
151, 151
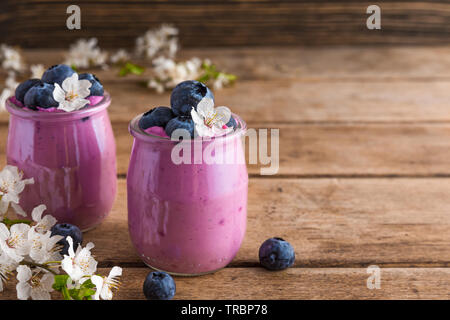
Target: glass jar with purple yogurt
187, 184
60, 135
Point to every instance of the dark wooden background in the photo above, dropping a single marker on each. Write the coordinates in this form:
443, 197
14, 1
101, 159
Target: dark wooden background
116, 23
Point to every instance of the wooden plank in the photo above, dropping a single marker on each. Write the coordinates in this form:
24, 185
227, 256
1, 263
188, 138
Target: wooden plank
304, 283
234, 24
330, 223
296, 101
338, 150
312, 64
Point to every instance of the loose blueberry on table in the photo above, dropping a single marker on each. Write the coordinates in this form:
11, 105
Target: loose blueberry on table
66, 230
276, 254
159, 286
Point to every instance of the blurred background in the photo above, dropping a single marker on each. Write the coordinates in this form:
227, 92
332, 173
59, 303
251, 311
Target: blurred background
219, 23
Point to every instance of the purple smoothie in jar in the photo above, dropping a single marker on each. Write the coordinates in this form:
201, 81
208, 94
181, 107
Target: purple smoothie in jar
187, 219
72, 158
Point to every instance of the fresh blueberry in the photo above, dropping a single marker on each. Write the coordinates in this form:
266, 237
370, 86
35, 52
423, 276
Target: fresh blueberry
57, 74
232, 123
66, 230
159, 116
159, 286
186, 95
41, 95
96, 88
180, 122
23, 88
276, 254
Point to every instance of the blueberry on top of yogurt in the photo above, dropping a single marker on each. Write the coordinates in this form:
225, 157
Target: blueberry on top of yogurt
60, 89
192, 109
186, 95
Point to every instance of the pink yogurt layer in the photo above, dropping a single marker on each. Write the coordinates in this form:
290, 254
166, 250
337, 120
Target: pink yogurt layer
93, 100
157, 131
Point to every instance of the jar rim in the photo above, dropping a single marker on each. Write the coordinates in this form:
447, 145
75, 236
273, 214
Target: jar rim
58, 116
140, 134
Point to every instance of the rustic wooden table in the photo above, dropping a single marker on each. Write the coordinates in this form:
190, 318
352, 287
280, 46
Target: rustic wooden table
364, 172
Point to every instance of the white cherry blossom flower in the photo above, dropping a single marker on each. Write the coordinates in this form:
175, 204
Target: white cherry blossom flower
37, 286
120, 56
71, 96
210, 121
104, 286
37, 70
43, 247
11, 58
167, 73
85, 53
9, 89
14, 242
43, 224
80, 264
162, 41
11, 185
7, 267
6, 93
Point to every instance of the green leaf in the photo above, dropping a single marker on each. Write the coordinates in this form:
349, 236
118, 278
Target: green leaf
131, 68
60, 282
74, 67
66, 294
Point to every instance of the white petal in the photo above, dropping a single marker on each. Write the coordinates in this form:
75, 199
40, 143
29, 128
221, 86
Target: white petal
67, 265
20, 229
36, 214
70, 84
98, 282
205, 107
40, 294
196, 117
4, 232
83, 90
224, 114
3, 206
23, 290
23, 273
115, 272
58, 94
47, 282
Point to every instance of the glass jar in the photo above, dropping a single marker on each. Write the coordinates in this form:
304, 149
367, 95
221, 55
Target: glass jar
187, 218
72, 158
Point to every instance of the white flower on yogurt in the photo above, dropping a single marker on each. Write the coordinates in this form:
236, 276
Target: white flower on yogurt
210, 121
79, 264
37, 286
104, 286
11, 185
71, 95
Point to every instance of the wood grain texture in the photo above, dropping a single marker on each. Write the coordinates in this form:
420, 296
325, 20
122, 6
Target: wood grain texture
304, 283
337, 150
315, 85
225, 23
330, 223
